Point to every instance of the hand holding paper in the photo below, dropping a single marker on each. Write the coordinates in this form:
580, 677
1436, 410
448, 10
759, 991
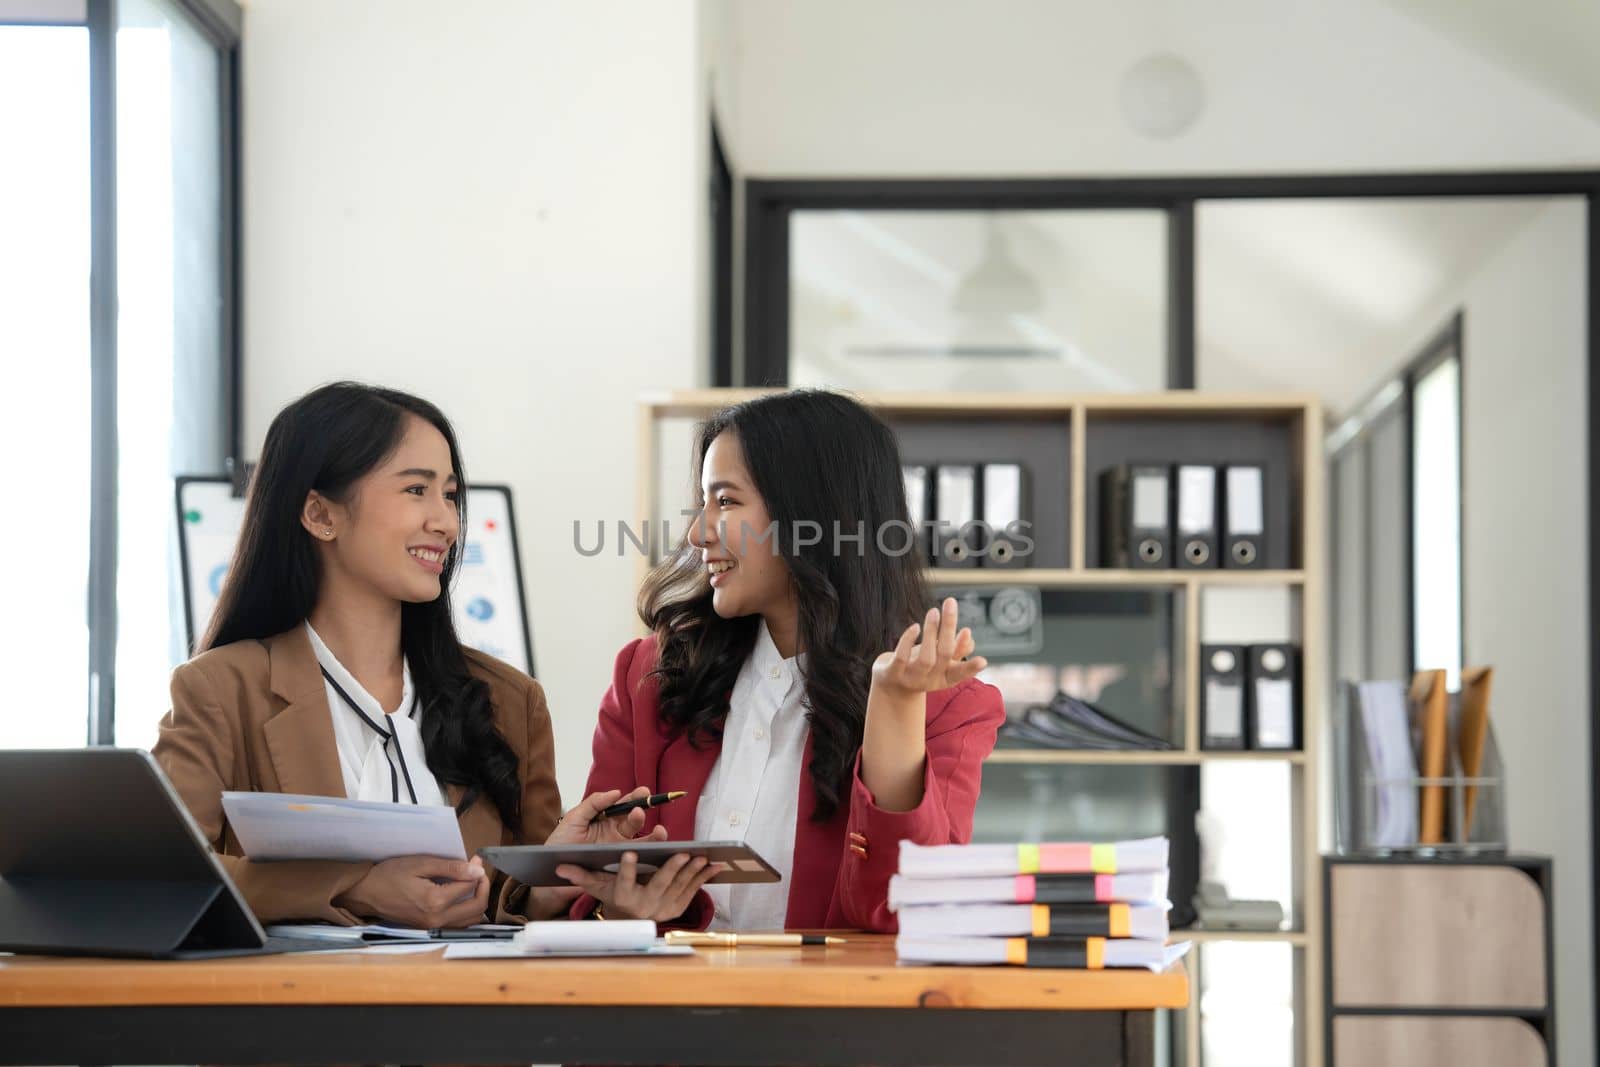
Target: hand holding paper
422, 892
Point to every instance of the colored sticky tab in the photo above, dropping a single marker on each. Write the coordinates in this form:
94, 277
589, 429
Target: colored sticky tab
1105, 888
1121, 920
1103, 859
1024, 889
1017, 951
1095, 950
1027, 859
1041, 920
1065, 859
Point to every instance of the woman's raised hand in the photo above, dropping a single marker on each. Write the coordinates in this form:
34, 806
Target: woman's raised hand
931, 655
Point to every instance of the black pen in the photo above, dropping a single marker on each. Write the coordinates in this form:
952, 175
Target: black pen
475, 933
654, 800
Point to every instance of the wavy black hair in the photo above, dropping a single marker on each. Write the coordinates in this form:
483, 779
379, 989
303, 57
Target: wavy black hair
328, 440
824, 458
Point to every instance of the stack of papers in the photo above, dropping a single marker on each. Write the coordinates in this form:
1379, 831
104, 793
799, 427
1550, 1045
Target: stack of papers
1075, 905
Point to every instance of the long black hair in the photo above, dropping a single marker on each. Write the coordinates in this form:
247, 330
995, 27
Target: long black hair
815, 457
328, 440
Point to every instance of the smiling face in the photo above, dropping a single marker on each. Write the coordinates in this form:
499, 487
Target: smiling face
736, 538
398, 523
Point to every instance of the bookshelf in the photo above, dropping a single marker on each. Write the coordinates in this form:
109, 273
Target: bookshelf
1066, 439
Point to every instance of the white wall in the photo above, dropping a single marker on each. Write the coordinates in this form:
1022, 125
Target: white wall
502, 209
949, 87
1525, 510
1525, 557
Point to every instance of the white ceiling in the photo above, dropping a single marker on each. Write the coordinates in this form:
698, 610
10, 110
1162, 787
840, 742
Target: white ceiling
1554, 44
1332, 296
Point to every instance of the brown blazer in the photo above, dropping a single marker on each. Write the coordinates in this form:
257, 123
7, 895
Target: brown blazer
254, 716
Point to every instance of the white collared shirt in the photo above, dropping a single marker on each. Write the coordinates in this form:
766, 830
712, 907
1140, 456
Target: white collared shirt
752, 793
371, 770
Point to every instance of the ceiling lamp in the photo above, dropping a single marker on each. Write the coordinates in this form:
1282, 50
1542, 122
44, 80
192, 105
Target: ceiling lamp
997, 285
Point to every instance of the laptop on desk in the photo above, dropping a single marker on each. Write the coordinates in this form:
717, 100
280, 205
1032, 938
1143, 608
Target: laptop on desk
99, 857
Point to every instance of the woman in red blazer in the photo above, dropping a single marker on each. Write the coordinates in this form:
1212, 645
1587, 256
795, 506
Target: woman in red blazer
792, 685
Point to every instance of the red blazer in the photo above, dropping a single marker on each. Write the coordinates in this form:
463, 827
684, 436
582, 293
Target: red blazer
840, 876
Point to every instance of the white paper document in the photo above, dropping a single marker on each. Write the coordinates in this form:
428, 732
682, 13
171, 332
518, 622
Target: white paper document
503, 950
289, 826
1147, 922
1385, 722
632, 937
984, 951
1145, 887
980, 861
392, 948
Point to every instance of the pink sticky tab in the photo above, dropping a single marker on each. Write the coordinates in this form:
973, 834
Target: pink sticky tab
1024, 889
1104, 889
1064, 859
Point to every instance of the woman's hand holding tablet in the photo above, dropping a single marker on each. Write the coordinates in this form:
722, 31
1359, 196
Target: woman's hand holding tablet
666, 894
663, 896
644, 878
584, 825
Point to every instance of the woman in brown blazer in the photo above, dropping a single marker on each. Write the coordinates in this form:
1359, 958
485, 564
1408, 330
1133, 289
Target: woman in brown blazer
332, 667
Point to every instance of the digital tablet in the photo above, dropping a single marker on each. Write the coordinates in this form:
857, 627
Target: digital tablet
536, 864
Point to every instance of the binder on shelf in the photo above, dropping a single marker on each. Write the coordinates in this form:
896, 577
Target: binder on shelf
1244, 516
918, 490
1222, 697
1274, 702
1004, 495
1196, 511
1136, 532
955, 510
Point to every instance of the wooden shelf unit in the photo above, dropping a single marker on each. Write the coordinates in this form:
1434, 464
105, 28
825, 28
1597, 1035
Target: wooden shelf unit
1298, 418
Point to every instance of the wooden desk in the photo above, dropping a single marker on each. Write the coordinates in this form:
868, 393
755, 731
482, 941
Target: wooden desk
848, 1004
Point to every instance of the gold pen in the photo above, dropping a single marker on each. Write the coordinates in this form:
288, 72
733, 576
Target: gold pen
705, 938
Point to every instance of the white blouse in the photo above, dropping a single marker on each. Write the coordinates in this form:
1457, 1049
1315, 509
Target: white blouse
380, 754
752, 792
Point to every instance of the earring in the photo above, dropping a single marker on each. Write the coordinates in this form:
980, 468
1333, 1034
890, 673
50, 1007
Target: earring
328, 532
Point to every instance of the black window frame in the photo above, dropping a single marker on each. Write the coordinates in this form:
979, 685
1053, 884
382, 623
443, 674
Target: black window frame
769, 205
